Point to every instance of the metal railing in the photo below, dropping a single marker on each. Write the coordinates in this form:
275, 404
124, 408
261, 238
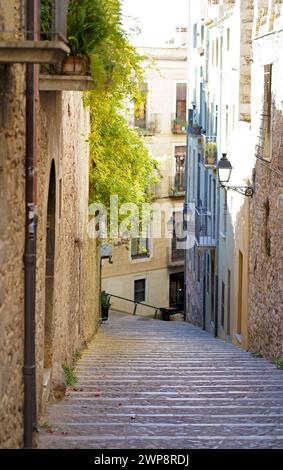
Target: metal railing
176, 257
149, 126
177, 184
179, 126
210, 150
52, 22
136, 303
205, 228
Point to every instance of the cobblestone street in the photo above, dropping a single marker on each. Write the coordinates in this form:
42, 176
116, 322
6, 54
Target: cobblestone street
146, 383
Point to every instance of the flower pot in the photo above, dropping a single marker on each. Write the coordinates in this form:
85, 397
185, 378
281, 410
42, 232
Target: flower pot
72, 65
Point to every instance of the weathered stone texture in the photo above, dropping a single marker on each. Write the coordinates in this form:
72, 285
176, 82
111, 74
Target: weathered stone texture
12, 229
194, 289
266, 261
75, 318
74, 310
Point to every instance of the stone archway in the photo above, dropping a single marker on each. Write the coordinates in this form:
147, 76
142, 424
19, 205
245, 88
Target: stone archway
49, 269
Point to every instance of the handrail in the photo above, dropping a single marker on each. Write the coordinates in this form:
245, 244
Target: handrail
134, 302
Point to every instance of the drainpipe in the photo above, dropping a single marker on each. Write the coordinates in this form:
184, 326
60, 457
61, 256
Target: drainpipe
30, 236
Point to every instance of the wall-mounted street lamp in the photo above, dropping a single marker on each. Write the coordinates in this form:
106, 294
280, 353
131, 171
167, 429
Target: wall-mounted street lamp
224, 169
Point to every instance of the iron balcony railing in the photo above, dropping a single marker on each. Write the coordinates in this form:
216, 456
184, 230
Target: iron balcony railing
205, 228
24, 40
177, 184
210, 150
179, 125
52, 22
53, 19
176, 257
148, 126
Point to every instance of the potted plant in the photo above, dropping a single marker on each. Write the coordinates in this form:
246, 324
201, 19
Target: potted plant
83, 35
196, 128
210, 152
105, 305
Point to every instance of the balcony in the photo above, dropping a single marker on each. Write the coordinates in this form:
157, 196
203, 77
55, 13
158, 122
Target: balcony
210, 152
177, 185
54, 82
205, 229
195, 129
179, 126
150, 127
175, 257
48, 47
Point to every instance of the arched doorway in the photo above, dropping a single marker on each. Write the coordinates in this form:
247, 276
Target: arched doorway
49, 269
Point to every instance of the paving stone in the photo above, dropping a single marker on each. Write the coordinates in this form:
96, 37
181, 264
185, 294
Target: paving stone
167, 385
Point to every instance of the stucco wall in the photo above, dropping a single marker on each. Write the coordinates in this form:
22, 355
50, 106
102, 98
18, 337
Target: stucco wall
157, 290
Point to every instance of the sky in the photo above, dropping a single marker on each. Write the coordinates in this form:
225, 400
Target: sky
157, 19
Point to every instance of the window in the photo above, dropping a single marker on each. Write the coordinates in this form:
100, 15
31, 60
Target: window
139, 290
202, 35
225, 213
266, 116
199, 202
139, 248
141, 110
227, 126
180, 156
193, 175
195, 34
210, 193
217, 53
216, 120
228, 39
178, 233
223, 305
181, 101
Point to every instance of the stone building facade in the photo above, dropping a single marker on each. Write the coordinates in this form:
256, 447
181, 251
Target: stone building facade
266, 228
68, 262
68, 276
12, 239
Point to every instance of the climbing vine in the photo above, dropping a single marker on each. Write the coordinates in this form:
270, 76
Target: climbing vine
120, 162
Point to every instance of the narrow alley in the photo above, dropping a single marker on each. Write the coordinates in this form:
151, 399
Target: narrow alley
146, 383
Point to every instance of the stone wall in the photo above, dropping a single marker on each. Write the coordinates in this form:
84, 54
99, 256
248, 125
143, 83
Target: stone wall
12, 234
72, 314
266, 248
12, 230
74, 309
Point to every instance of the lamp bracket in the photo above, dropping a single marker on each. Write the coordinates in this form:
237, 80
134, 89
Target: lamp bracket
247, 191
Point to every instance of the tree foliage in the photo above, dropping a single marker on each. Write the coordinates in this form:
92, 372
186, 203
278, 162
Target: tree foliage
120, 161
